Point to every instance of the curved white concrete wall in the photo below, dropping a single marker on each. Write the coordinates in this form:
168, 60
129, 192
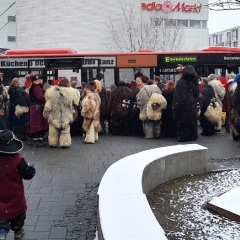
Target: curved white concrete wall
124, 212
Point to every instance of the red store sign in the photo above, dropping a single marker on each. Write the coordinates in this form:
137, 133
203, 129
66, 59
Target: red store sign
167, 7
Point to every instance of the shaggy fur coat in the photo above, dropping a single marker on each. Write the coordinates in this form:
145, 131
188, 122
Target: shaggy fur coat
115, 102
119, 111
219, 90
147, 96
185, 108
58, 110
146, 113
91, 116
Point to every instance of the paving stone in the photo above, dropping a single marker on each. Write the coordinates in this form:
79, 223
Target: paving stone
67, 180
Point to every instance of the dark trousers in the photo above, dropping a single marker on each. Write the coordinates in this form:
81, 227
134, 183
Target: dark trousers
14, 224
3, 123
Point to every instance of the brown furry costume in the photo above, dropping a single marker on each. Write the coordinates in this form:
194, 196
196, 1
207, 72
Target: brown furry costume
148, 96
58, 110
91, 113
119, 111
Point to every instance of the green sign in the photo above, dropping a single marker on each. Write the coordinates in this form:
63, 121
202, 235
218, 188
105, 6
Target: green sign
180, 59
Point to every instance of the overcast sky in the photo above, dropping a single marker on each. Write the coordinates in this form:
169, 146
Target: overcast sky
221, 20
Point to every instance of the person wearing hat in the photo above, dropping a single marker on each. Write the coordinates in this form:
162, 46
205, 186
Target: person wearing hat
13, 169
38, 126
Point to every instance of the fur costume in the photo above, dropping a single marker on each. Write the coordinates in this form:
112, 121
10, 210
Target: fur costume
19, 110
91, 114
214, 114
119, 111
150, 118
155, 106
58, 110
218, 89
142, 99
185, 105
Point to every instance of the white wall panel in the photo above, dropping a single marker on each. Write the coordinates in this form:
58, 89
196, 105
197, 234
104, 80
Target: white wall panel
82, 25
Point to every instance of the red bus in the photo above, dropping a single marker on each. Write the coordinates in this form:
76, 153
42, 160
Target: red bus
51, 62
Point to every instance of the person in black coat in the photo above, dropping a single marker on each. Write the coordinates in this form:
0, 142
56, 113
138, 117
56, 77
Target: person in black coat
168, 124
206, 94
18, 118
185, 105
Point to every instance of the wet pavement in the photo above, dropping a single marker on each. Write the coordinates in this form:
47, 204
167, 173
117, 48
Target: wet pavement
62, 197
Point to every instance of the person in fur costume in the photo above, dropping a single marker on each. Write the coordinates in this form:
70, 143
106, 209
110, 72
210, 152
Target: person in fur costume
91, 114
58, 110
151, 102
18, 117
185, 105
119, 105
219, 93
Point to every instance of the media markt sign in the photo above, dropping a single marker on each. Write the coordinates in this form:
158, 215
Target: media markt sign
21, 63
180, 59
168, 7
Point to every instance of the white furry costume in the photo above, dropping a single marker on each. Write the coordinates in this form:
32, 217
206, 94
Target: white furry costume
151, 102
220, 92
214, 114
91, 113
58, 110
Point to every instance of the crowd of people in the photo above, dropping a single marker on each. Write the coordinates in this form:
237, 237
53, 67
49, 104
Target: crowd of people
147, 107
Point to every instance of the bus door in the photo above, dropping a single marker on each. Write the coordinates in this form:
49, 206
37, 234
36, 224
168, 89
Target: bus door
53, 65
100, 67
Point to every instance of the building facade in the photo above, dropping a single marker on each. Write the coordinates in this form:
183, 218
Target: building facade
8, 26
89, 26
104, 26
227, 38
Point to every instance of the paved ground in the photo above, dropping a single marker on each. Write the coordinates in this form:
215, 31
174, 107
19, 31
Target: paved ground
62, 199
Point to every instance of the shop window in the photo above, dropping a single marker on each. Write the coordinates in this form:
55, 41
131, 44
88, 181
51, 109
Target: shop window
228, 36
157, 22
204, 24
183, 23
215, 39
235, 44
11, 39
195, 24
228, 44
11, 18
170, 22
234, 35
